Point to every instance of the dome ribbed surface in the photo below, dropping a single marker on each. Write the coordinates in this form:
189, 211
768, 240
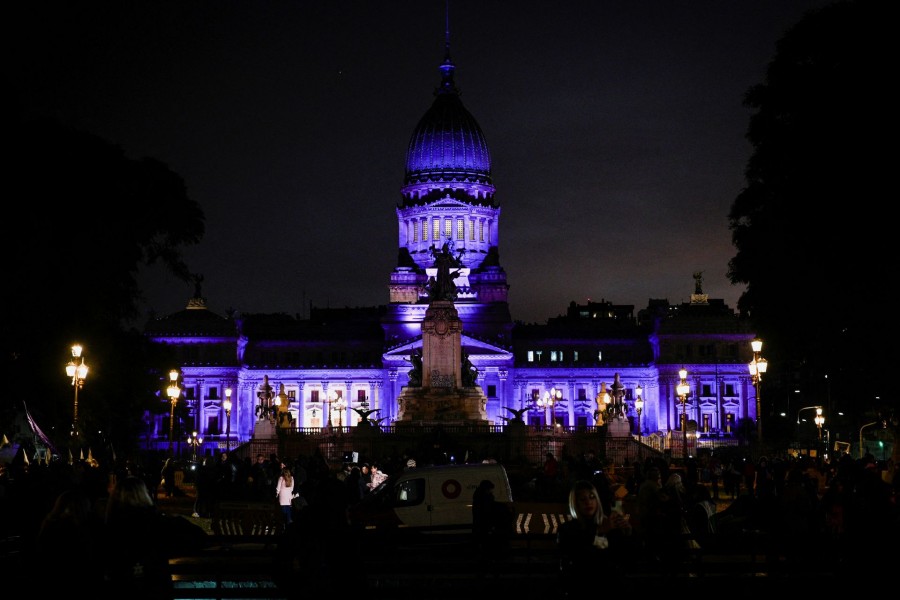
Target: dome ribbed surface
448, 144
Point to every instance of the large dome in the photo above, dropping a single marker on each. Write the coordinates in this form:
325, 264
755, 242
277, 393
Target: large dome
447, 146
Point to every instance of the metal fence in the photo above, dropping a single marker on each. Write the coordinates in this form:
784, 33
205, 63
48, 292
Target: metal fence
443, 444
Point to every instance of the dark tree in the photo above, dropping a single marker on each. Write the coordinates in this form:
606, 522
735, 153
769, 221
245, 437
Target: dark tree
812, 227
86, 220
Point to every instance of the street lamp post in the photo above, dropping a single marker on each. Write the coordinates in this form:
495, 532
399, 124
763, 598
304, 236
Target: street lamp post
195, 443
77, 371
818, 410
819, 420
638, 407
265, 395
173, 391
340, 405
861, 436
554, 395
227, 406
757, 368
682, 389
329, 398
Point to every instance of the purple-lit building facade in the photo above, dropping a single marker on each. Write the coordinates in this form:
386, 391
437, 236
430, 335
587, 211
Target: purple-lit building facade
362, 354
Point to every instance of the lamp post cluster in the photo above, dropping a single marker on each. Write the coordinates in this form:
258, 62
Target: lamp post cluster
819, 419
339, 405
683, 389
77, 371
195, 443
226, 404
173, 391
265, 395
328, 399
611, 405
638, 407
757, 368
546, 402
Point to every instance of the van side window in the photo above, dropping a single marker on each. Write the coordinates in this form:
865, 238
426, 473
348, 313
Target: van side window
411, 492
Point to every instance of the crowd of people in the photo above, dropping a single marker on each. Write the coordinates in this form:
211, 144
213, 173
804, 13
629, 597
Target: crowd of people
109, 523
803, 512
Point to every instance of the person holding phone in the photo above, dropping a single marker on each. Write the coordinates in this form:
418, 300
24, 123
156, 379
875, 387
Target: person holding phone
591, 543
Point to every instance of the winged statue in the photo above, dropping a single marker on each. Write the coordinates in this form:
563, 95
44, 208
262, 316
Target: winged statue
364, 413
517, 413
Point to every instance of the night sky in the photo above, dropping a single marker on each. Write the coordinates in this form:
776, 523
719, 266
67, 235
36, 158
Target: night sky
616, 132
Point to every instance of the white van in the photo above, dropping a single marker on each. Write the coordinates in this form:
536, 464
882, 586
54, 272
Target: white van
435, 498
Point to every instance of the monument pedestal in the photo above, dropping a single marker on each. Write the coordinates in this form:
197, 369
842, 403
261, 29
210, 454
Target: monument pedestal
619, 427
264, 429
428, 406
444, 396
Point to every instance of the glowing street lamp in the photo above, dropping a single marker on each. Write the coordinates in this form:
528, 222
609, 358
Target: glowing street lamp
554, 395
683, 389
757, 368
226, 404
819, 420
173, 391
195, 443
329, 399
340, 405
77, 372
638, 407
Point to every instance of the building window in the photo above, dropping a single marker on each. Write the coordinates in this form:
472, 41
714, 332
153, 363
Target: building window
472, 230
481, 231
424, 230
213, 393
190, 393
582, 394
535, 394
361, 396
448, 228
212, 426
460, 229
415, 231
292, 395
729, 389
492, 391
314, 396
531, 356
706, 390
436, 230
575, 355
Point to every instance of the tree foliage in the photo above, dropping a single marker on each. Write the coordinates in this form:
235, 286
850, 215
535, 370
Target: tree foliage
812, 227
87, 219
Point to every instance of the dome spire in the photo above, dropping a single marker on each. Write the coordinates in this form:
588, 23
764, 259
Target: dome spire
447, 67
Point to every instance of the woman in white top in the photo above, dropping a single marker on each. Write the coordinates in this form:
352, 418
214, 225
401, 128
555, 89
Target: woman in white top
284, 491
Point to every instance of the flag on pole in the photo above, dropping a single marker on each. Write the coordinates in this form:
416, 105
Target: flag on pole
37, 430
